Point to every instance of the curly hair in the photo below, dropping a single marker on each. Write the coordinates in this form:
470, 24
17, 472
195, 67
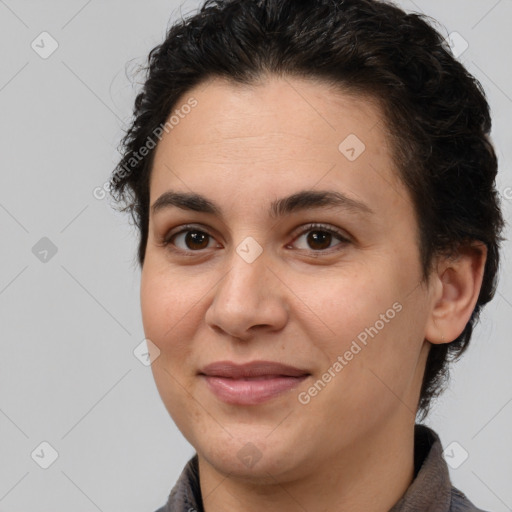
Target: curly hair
436, 114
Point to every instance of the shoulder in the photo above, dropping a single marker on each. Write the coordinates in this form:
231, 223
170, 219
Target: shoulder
460, 502
185, 496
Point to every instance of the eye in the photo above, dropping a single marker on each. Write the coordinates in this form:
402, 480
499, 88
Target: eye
314, 237
189, 239
317, 237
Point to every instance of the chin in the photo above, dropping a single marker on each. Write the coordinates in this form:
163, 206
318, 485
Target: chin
251, 456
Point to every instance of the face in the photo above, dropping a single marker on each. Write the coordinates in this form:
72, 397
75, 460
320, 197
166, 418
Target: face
300, 251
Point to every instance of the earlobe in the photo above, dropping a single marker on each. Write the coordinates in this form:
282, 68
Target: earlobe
456, 286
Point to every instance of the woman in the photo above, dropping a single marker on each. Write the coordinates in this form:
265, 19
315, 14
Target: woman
319, 229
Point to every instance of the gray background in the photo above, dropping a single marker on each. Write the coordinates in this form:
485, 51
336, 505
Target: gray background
69, 324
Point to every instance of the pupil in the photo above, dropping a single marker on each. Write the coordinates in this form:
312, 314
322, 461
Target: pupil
196, 238
316, 239
321, 239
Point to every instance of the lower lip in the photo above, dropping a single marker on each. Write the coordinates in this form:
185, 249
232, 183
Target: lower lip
252, 391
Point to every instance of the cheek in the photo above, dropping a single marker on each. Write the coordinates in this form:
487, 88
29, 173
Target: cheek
155, 306
169, 320
167, 306
343, 304
368, 379
372, 320
383, 371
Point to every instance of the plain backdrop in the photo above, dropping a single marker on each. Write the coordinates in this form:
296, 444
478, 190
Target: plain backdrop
69, 284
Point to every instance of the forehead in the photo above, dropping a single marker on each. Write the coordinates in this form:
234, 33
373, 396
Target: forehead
274, 109
274, 133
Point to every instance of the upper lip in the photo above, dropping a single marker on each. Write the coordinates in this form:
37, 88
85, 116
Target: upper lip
252, 369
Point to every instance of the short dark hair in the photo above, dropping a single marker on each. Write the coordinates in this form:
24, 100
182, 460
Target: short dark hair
436, 114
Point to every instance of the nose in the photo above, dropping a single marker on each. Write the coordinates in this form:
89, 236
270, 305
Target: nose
249, 299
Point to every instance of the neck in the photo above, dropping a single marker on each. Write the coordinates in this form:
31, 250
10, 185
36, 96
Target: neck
370, 475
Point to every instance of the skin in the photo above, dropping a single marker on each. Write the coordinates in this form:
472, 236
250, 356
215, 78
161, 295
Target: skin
299, 303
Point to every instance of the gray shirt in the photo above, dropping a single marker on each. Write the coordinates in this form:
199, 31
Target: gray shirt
430, 491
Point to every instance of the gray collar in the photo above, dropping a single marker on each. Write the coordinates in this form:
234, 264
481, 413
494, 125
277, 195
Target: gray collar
430, 491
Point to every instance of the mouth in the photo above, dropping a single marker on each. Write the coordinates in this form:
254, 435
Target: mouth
251, 383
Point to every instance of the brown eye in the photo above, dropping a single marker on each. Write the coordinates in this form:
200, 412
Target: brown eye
196, 240
319, 240
189, 240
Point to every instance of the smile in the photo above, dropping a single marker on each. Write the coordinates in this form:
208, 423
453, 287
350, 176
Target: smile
251, 390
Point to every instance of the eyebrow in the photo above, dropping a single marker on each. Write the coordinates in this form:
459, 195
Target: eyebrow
299, 201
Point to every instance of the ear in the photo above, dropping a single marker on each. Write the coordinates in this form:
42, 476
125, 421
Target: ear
455, 286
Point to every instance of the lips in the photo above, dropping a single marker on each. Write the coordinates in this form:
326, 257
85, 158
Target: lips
251, 383
253, 369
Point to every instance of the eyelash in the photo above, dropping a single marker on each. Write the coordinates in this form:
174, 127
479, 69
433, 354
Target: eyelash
167, 241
